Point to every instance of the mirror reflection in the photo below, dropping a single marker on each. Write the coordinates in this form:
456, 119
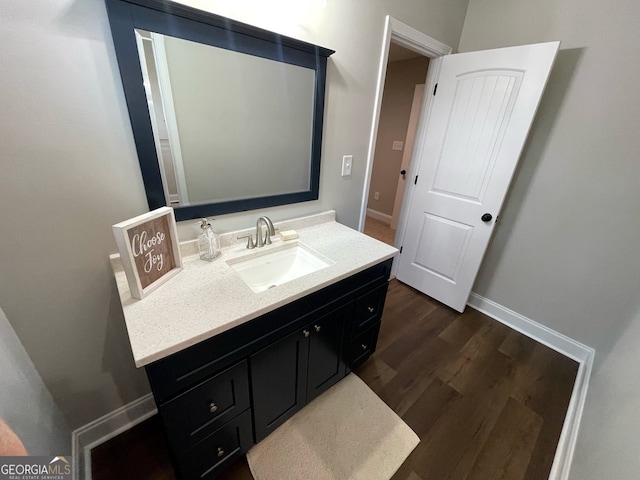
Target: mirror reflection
226, 125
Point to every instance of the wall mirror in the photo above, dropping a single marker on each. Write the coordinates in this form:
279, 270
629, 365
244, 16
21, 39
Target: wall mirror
226, 117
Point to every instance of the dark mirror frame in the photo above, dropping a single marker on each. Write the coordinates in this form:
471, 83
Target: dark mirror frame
188, 23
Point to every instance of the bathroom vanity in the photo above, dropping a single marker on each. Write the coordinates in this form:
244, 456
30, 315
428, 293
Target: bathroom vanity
228, 365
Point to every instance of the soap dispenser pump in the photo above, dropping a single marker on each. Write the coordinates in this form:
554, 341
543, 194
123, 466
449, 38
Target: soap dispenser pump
208, 242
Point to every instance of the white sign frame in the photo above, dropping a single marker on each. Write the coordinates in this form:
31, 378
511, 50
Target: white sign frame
136, 278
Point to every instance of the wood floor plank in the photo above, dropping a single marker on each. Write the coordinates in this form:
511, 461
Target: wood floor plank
551, 390
419, 330
417, 372
474, 356
507, 452
402, 304
461, 329
517, 346
380, 230
454, 442
428, 407
376, 373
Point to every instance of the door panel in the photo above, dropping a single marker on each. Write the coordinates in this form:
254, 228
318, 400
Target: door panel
468, 152
442, 246
482, 105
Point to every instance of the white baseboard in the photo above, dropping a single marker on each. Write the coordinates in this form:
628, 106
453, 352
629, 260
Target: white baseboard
104, 428
582, 354
383, 217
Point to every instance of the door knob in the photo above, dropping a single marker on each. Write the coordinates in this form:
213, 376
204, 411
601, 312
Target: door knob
403, 173
486, 217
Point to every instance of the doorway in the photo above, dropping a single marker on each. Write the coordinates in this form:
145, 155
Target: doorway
400, 110
409, 58
477, 125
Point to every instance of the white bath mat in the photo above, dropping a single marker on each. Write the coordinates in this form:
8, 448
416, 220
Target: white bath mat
347, 433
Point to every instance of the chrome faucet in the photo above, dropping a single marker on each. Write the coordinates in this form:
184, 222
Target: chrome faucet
266, 240
261, 240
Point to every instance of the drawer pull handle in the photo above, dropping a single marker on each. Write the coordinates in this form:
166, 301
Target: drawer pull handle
213, 407
305, 333
220, 452
371, 309
364, 347
317, 327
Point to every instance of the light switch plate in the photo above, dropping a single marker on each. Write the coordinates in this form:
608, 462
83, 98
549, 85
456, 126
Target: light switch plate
397, 145
347, 161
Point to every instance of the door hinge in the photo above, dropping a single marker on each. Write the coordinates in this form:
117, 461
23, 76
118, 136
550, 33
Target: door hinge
415, 182
400, 249
435, 89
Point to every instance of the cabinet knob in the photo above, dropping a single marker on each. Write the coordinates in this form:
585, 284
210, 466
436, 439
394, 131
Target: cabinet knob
371, 309
220, 452
317, 327
305, 333
213, 407
364, 347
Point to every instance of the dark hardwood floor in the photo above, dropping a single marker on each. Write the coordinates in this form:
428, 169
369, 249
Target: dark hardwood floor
487, 402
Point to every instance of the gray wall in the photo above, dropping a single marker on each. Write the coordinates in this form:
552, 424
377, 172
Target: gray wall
402, 77
25, 403
68, 170
566, 250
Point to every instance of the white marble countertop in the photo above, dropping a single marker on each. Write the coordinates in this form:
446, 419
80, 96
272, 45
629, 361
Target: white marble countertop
208, 298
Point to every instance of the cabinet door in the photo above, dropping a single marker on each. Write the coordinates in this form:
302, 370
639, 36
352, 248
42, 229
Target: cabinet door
278, 380
326, 362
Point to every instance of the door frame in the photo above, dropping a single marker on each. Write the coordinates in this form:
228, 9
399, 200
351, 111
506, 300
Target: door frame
408, 37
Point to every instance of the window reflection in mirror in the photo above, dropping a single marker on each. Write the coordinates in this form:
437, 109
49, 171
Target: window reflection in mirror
226, 125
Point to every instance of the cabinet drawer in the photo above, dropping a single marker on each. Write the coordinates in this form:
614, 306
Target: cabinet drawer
191, 416
207, 459
363, 345
369, 309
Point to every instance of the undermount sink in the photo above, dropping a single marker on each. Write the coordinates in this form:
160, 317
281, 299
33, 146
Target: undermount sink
281, 264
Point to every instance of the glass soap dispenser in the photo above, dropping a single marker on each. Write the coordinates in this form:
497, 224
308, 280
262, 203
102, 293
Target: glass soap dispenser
208, 242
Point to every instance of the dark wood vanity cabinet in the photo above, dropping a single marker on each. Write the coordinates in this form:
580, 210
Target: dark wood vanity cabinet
223, 395
293, 371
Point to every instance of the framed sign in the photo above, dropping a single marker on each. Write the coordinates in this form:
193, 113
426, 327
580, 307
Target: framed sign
148, 246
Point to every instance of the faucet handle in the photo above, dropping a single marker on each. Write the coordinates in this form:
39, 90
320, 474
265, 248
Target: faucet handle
250, 243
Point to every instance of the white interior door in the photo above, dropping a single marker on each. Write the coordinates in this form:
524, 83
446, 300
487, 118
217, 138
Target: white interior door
484, 106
